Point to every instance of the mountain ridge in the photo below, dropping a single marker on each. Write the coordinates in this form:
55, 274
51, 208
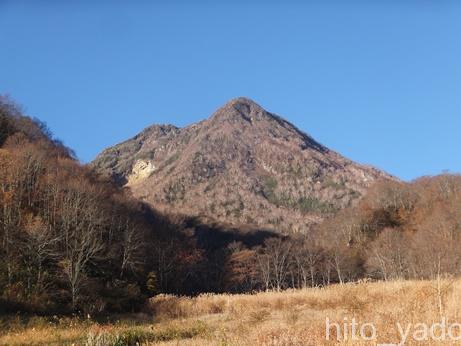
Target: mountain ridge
242, 165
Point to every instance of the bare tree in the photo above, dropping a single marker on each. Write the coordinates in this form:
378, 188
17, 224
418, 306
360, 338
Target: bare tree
83, 223
274, 263
132, 243
263, 262
387, 255
41, 245
306, 256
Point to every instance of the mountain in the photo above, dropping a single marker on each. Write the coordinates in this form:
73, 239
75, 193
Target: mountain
243, 165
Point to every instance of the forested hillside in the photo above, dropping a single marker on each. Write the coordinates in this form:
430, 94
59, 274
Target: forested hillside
401, 230
398, 231
72, 241
68, 240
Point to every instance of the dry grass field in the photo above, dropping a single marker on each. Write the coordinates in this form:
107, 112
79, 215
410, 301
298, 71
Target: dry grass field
295, 317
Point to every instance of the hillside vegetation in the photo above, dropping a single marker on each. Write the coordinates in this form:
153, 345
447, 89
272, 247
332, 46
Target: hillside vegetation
74, 242
398, 231
71, 241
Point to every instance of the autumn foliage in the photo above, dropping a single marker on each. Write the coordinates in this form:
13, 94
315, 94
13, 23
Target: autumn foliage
71, 241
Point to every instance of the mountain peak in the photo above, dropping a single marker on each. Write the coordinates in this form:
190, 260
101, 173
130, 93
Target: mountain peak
240, 108
241, 101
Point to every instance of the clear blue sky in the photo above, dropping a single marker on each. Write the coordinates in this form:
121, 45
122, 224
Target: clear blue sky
378, 81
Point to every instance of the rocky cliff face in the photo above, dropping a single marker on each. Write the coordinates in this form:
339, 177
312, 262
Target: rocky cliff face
243, 165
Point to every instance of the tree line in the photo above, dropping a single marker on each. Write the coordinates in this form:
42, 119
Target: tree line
398, 231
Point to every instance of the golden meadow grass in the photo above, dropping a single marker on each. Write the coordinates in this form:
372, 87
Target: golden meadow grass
294, 317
